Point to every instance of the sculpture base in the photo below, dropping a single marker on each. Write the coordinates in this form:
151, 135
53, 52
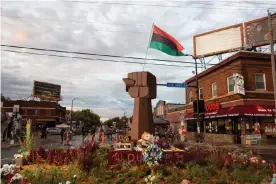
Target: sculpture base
142, 118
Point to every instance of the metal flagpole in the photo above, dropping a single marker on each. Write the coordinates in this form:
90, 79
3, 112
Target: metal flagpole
148, 46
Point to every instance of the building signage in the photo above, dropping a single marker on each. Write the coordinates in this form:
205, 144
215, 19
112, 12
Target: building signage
45, 90
239, 84
212, 107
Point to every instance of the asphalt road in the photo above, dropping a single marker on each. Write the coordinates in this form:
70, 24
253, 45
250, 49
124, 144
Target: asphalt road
52, 141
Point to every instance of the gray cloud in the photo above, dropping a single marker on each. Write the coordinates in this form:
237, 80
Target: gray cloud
103, 29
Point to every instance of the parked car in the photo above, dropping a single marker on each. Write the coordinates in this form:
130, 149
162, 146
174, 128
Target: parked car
53, 130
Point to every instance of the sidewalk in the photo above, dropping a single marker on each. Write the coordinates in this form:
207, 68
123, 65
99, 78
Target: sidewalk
6, 145
232, 146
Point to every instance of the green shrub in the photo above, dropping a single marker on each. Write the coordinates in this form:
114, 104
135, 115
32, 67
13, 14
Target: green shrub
220, 181
35, 175
245, 176
197, 173
128, 174
74, 169
133, 181
55, 174
121, 181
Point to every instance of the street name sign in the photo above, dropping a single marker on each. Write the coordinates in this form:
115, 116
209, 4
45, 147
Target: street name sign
177, 85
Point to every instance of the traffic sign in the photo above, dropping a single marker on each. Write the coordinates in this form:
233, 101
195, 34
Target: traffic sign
177, 85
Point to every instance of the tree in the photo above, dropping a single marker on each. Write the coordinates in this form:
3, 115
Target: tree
87, 116
120, 122
3, 98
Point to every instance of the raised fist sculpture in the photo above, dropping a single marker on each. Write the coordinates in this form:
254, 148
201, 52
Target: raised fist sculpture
142, 87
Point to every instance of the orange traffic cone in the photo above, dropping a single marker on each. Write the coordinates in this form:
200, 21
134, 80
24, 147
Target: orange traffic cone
115, 139
102, 138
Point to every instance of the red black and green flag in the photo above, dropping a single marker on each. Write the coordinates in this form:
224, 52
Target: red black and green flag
164, 42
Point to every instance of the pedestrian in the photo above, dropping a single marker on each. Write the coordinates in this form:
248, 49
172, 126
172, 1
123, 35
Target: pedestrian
45, 131
83, 133
62, 135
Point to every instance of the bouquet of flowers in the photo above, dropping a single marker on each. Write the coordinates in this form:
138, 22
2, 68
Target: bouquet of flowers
7, 172
152, 154
163, 143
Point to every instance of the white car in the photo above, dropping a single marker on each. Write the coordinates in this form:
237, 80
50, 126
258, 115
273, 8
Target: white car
53, 130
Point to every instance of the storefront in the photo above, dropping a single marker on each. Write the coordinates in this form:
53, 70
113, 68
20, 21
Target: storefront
236, 124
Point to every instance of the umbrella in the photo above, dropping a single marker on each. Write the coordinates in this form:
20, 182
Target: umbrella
63, 125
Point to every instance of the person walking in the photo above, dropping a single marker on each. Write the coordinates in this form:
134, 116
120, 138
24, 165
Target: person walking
62, 135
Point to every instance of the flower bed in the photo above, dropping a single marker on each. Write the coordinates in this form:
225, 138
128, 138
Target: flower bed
89, 165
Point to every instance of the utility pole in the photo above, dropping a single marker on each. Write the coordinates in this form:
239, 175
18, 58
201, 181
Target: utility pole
197, 103
197, 100
72, 113
272, 56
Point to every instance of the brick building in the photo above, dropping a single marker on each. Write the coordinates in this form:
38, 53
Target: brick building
40, 112
170, 112
238, 94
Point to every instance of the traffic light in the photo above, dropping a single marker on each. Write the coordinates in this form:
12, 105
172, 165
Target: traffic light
201, 106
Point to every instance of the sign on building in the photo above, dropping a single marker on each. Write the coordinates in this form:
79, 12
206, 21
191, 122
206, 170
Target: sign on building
16, 108
44, 90
257, 31
239, 84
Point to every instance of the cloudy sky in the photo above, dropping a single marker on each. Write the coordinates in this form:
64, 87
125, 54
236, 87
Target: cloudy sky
119, 28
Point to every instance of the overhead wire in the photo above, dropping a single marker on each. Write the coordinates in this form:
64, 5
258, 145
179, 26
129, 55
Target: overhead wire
93, 54
96, 59
226, 7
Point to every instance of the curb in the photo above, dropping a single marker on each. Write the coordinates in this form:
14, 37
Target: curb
10, 146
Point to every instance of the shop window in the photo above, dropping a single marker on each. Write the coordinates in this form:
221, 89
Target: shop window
191, 96
221, 126
260, 81
214, 126
214, 89
201, 93
229, 126
36, 112
230, 84
208, 124
191, 126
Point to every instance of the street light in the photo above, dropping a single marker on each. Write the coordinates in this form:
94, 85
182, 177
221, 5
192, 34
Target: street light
72, 112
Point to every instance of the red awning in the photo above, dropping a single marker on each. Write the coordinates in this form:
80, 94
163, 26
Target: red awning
244, 110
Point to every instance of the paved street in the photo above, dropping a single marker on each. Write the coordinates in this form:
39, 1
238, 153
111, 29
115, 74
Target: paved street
52, 141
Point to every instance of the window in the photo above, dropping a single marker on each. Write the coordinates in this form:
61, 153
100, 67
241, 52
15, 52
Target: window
201, 93
191, 96
260, 81
36, 112
230, 84
214, 89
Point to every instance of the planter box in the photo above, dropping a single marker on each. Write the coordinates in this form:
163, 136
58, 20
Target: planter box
123, 146
20, 161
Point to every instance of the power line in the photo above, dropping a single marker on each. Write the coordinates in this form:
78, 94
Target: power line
92, 54
226, 7
162, 5
106, 60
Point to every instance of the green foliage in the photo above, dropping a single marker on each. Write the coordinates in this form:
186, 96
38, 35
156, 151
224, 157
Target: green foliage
35, 175
3, 98
197, 173
244, 176
133, 181
102, 156
55, 174
74, 169
121, 181
120, 122
87, 116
